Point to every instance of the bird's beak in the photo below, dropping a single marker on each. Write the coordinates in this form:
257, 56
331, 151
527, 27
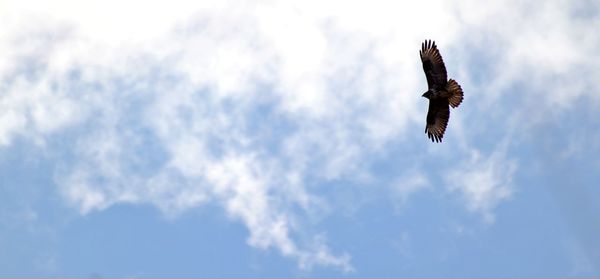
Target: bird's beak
425, 95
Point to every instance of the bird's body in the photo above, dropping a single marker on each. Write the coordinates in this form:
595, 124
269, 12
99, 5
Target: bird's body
441, 92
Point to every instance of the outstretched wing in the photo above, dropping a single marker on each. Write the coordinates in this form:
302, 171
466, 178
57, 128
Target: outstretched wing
437, 119
433, 65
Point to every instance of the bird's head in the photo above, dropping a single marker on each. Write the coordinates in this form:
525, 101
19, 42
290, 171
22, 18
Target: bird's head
427, 94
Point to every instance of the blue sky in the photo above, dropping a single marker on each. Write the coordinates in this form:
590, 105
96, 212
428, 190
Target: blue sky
226, 139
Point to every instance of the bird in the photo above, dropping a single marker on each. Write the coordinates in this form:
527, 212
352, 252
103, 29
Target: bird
442, 92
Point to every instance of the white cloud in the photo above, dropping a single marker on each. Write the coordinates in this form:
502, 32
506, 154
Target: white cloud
545, 47
409, 184
30, 103
581, 262
483, 183
181, 103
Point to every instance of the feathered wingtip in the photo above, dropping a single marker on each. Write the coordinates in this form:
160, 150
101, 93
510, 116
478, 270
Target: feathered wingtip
435, 138
427, 45
429, 52
456, 93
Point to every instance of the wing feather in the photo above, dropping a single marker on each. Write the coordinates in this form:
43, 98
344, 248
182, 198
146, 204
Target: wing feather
437, 119
433, 65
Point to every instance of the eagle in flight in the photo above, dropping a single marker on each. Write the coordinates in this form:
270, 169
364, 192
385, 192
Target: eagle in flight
442, 91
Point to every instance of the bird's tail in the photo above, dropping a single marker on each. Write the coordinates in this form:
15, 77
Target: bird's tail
456, 93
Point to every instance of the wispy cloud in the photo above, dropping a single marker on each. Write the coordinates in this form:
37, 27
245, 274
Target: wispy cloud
581, 263
244, 105
483, 182
409, 184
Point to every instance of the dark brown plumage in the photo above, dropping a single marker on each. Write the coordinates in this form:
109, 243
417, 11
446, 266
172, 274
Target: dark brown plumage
441, 92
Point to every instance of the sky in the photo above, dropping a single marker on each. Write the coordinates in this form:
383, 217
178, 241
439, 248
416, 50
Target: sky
285, 139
